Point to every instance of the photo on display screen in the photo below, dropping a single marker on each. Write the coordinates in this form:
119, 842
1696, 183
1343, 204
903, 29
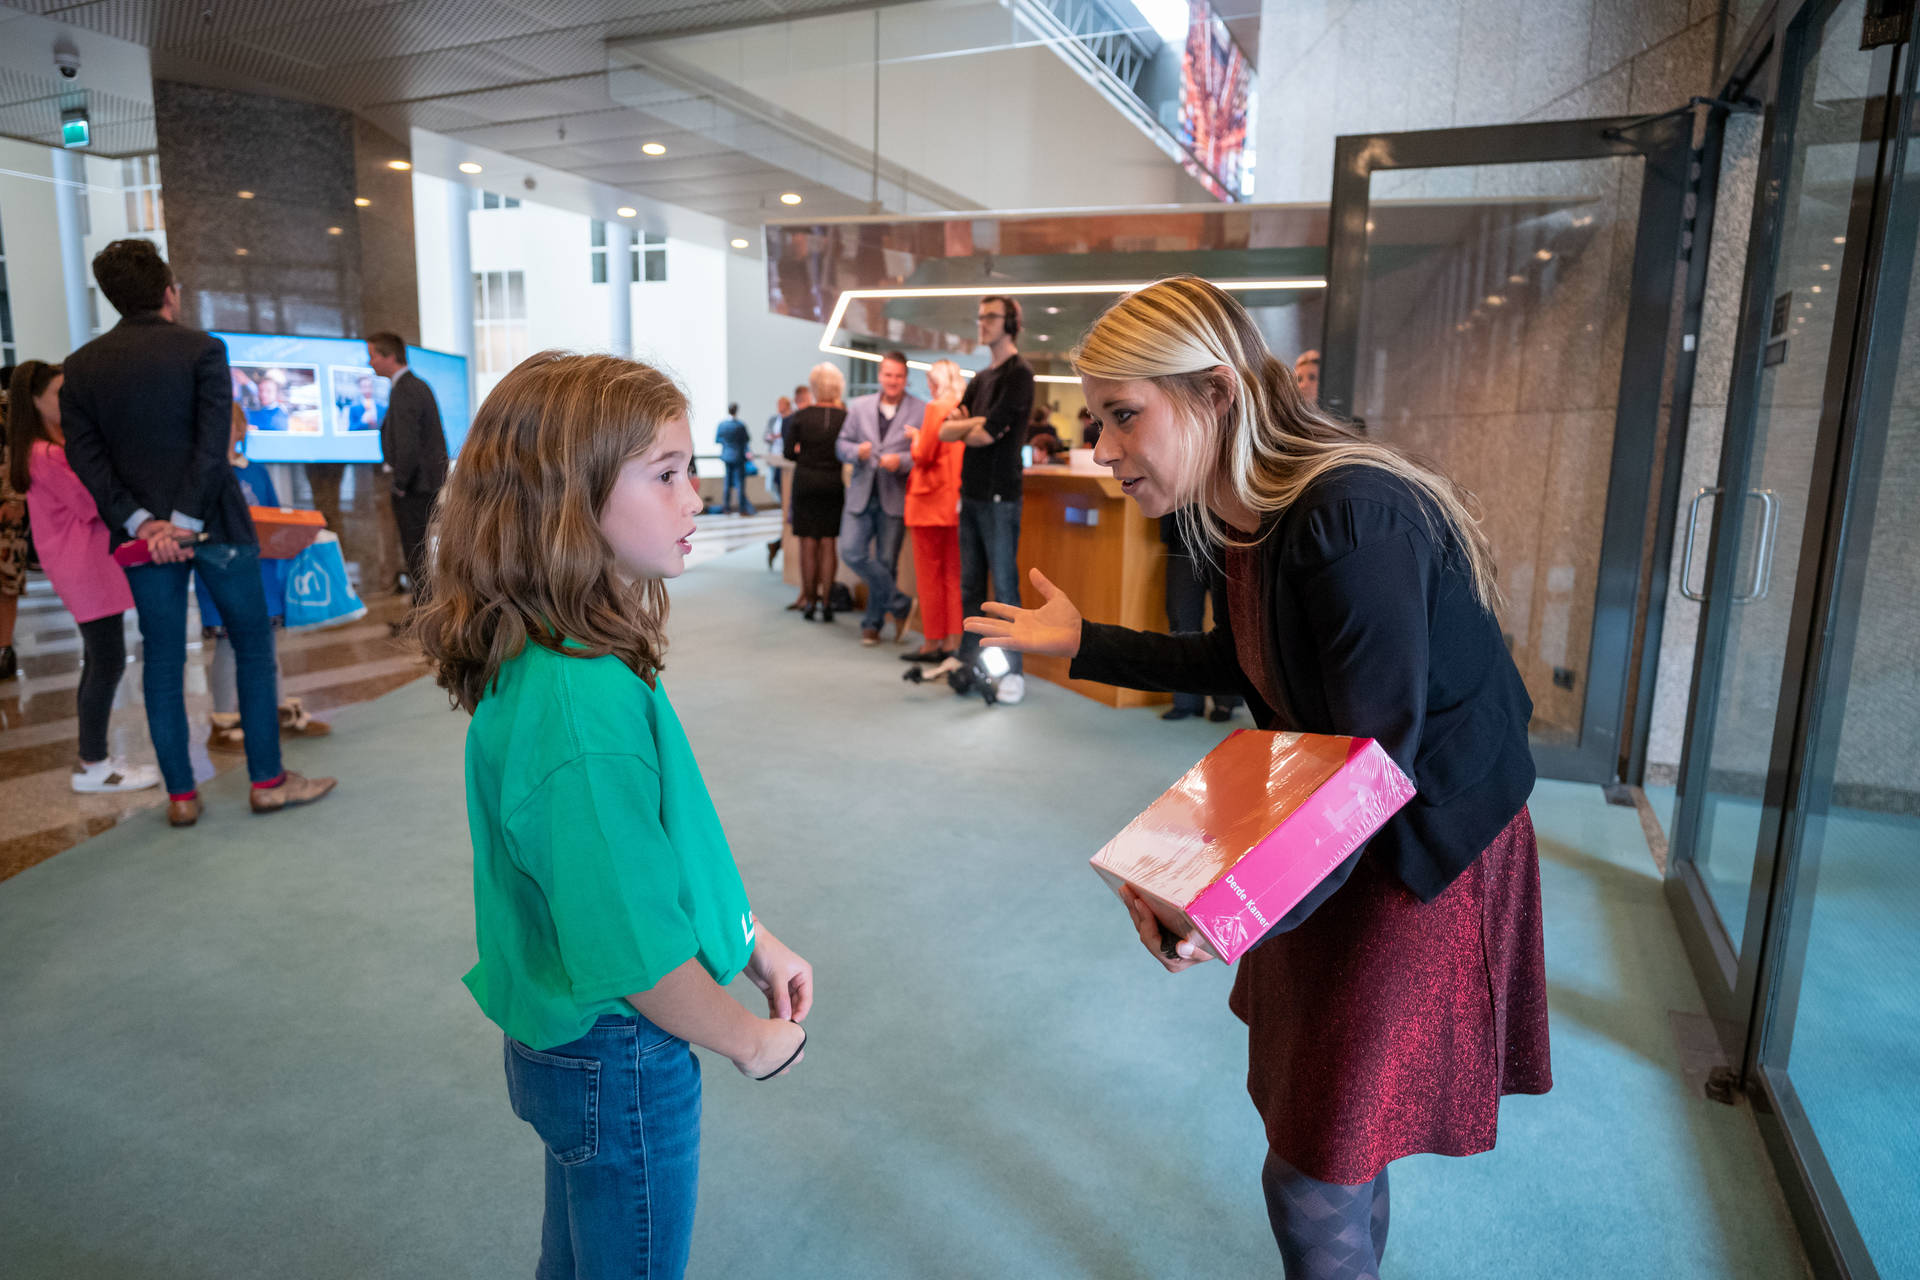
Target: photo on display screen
279, 397
359, 398
1216, 104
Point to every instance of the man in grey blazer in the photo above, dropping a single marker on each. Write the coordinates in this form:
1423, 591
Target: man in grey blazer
874, 441
414, 446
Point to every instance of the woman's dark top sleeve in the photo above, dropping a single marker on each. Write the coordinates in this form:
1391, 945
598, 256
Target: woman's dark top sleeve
1190, 662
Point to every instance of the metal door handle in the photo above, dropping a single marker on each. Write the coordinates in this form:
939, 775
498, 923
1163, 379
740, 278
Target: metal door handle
1686, 560
1763, 556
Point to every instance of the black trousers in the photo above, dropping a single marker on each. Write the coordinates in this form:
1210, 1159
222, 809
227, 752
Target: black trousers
103, 646
1188, 584
410, 516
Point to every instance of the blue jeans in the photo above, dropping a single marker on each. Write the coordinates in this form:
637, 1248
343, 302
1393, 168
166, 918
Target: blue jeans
736, 481
870, 544
231, 574
989, 544
619, 1112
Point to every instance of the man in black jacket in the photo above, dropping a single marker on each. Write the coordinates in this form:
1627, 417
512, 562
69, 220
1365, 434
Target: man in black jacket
415, 448
148, 412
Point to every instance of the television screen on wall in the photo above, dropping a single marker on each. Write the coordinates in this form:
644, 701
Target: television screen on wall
1216, 103
317, 399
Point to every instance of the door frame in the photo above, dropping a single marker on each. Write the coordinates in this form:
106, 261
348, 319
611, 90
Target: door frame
1753, 994
1665, 143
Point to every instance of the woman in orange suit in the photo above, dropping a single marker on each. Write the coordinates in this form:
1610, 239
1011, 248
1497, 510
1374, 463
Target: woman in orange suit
933, 518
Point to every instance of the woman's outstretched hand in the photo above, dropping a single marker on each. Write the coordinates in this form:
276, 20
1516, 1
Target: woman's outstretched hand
1053, 628
1188, 951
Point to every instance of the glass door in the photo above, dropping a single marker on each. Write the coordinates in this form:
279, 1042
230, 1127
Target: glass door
1789, 384
1499, 302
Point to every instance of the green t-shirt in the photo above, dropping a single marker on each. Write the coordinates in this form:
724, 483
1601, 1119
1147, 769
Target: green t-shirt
599, 865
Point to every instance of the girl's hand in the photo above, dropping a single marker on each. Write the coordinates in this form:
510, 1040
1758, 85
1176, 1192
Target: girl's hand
1189, 951
785, 978
1053, 628
778, 1041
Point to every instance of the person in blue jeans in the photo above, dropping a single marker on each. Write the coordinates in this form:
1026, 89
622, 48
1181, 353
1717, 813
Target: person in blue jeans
992, 420
147, 407
874, 442
735, 441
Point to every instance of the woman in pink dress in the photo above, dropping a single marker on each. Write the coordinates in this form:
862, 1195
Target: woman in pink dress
72, 542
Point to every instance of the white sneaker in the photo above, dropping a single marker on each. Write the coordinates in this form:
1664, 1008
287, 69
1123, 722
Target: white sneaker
114, 774
1012, 688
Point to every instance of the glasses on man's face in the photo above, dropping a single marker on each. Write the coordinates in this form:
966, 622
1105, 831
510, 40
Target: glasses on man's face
992, 315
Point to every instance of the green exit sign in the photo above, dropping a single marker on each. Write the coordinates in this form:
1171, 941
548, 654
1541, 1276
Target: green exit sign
75, 132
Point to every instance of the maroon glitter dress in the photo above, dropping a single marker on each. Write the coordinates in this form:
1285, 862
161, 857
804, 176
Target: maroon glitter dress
1384, 1026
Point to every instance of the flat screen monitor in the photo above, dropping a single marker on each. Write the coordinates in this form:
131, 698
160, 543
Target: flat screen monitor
316, 399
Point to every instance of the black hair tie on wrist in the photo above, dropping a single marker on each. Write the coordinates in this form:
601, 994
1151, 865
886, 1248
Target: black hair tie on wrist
790, 1061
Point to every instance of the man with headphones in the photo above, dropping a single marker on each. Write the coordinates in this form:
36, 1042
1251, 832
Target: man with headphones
992, 419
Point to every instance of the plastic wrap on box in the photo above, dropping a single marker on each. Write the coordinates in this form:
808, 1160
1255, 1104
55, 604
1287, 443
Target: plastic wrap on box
1250, 830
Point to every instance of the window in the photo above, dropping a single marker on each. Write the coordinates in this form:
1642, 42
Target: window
650, 258
6, 308
493, 200
499, 319
93, 310
140, 177
598, 252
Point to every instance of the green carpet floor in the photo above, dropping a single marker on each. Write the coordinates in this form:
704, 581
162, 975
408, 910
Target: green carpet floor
243, 1050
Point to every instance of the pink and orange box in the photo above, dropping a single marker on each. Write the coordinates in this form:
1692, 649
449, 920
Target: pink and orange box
1250, 830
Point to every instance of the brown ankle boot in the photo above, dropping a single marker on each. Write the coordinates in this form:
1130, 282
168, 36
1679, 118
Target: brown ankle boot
293, 789
183, 813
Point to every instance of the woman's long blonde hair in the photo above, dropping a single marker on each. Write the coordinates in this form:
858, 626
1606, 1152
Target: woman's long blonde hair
520, 553
1271, 445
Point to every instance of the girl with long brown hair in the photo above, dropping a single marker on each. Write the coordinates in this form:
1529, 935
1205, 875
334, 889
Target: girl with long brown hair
1389, 1012
73, 545
609, 914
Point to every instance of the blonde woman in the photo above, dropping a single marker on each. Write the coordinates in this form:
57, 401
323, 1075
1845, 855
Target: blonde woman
819, 492
933, 518
1390, 1011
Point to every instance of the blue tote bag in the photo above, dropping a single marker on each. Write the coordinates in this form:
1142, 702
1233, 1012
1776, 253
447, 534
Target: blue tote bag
318, 591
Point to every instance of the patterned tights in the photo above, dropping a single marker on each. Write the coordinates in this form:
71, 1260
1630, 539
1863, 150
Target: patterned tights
1326, 1231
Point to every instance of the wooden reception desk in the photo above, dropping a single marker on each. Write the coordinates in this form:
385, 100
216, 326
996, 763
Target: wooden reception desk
1092, 543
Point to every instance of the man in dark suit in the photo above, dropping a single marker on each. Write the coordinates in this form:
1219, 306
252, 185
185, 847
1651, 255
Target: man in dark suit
148, 411
415, 448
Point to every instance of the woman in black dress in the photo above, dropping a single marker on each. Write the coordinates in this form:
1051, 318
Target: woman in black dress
818, 489
1389, 1012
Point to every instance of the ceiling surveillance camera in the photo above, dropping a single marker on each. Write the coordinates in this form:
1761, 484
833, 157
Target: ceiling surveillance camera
66, 58
528, 182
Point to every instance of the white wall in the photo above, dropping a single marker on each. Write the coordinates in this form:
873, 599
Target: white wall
680, 325
29, 220
433, 266
768, 355
1010, 128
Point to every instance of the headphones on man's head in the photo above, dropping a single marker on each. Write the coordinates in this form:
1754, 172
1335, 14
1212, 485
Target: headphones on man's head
1012, 321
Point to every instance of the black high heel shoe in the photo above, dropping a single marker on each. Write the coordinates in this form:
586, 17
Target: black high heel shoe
826, 613
807, 612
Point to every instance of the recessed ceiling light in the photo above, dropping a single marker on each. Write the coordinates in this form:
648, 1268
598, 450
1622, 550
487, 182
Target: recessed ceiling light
468, 166
401, 165
1826, 266
244, 195
1053, 311
1516, 279
1839, 239
333, 231
240, 253
361, 201
1046, 337
654, 148
738, 243
789, 197
1816, 288
1544, 255
626, 211
1495, 300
